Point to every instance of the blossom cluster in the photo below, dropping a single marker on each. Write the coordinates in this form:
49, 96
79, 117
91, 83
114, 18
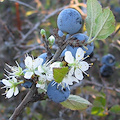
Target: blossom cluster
36, 68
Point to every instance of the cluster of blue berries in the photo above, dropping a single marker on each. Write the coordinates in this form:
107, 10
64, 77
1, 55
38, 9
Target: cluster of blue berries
108, 61
69, 22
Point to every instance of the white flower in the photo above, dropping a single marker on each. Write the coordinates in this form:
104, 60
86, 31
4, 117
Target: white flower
11, 87
16, 70
78, 66
31, 66
68, 79
41, 82
46, 71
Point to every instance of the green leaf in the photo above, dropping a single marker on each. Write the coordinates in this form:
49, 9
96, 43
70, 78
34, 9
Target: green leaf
59, 73
93, 10
115, 109
98, 111
75, 102
105, 24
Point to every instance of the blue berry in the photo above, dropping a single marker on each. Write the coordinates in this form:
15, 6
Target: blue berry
57, 93
60, 33
81, 37
108, 59
69, 20
27, 84
44, 57
63, 53
106, 71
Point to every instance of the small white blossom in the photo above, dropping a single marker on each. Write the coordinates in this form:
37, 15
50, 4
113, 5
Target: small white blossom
31, 66
41, 82
46, 71
16, 70
78, 66
11, 87
68, 79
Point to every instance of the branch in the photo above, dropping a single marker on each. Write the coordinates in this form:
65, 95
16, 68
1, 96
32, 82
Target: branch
22, 3
39, 23
30, 97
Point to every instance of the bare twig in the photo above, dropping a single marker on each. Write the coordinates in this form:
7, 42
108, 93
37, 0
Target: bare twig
23, 104
39, 23
25, 4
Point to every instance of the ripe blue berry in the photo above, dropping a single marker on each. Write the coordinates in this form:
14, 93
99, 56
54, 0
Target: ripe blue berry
57, 93
60, 33
69, 20
27, 84
106, 71
81, 37
63, 53
108, 59
44, 57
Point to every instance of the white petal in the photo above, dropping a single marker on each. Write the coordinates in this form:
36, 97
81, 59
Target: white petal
79, 53
14, 79
49, 77
10, 93
68, 57
42, 86
38, 61
78, 74
37, 72
16, 91
69, 80
28, 61
6, 82
71, 71
40, 69
28, 75
55, 65
84, 66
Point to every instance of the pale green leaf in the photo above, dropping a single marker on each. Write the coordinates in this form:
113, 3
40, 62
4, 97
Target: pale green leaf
75, 102
105, 24
93, 10
115, 109
59, 73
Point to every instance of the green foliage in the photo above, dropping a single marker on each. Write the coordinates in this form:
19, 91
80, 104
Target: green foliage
99, 24
59, 73
99, 107
115, 109
93, 10
75, 102
105, 24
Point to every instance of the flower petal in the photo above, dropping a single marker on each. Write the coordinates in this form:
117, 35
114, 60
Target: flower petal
83, 65
69, 80
40, 69
6, 82
71, 71
28, 75
42, 86
78, 74
14, 79
68, 57
10, 93
28, 62
79, 54
55, 65
16, 91
38, 61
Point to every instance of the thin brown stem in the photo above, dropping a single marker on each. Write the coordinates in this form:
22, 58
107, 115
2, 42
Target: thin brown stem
24, 103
